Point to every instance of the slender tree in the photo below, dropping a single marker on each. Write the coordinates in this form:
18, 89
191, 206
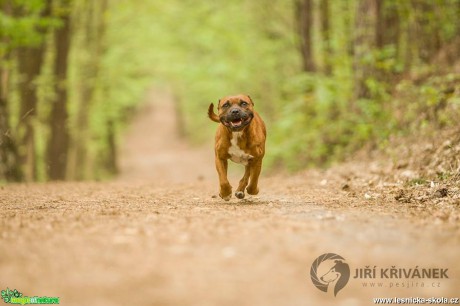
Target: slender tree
388, 24
427, 38
326, 37
93, 27
10, 169
364, 45
304, 18
388, 32
30, 61
59, 138
9, 157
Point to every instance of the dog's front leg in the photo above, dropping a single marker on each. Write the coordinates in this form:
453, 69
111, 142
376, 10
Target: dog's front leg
225, 187
255, 169
243, 183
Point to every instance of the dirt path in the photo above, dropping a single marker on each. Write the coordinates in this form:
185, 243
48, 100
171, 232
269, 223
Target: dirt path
153, 148
157, 236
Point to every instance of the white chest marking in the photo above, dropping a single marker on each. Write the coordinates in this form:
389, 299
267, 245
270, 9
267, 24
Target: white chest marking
236, 154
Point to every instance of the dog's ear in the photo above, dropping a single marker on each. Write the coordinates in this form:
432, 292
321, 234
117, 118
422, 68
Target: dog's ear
250, 100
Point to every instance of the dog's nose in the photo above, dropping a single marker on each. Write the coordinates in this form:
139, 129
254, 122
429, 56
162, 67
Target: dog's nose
235, 111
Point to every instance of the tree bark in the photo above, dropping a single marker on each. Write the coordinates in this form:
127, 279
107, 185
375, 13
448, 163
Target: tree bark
304, 17
111, 162
325, 33
59, 138
364, 45
388, 24
9, 158
94, 28
427, 37
30, 61
29, 64
387, 34
10, 169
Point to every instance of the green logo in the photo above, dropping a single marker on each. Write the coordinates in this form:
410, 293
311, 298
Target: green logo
16, 297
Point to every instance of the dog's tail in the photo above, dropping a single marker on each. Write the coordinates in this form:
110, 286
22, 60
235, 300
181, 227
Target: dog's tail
211, 113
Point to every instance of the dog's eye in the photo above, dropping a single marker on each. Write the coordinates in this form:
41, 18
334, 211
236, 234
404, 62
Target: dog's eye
227, 104
243, 103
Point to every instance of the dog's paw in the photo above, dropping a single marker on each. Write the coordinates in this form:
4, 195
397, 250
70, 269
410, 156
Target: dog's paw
239, 194
227, 197
225, 191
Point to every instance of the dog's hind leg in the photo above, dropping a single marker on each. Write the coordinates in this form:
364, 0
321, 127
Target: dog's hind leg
243, 183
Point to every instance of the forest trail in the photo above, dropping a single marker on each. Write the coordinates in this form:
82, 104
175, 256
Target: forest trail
158, 235
154, 150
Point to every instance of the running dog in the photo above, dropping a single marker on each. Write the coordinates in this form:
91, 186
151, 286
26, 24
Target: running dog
240, 137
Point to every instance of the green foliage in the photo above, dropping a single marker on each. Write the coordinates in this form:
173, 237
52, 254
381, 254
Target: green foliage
203, 50
26, 28
431, 103
210, 49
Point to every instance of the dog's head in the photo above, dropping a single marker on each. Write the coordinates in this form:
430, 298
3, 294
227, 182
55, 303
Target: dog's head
236, 112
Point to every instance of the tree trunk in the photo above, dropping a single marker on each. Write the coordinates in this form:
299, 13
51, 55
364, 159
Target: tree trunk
10, 169
387, 34
59, 138
325, 33
9, 158
30, 61
364, 45
94, 30
428, 38
111, 162
304, 16
29, 64
380, 24
388, 24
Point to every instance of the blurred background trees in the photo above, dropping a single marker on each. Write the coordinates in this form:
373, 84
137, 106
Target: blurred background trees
328, 76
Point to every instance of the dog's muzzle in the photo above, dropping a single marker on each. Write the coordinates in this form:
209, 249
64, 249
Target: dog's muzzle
236, 119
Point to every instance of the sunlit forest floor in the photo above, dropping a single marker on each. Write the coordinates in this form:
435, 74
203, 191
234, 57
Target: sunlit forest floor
159, 234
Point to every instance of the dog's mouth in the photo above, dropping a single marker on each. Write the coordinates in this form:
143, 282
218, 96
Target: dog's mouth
237, 123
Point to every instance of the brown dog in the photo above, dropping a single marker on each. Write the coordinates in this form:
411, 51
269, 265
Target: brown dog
240, 137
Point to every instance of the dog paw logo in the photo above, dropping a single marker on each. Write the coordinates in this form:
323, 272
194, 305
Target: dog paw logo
330, 273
